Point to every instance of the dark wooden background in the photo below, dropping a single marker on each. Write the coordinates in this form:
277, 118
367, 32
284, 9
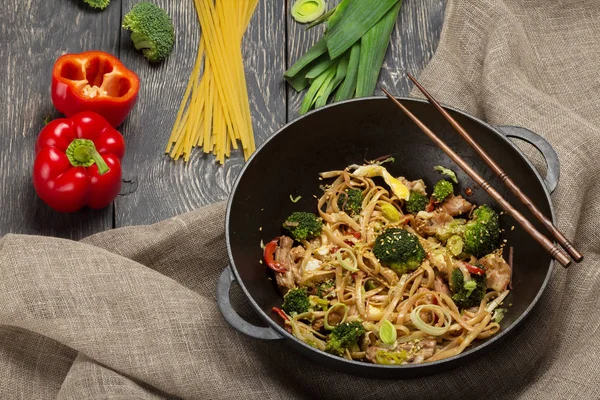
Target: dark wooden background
35, 33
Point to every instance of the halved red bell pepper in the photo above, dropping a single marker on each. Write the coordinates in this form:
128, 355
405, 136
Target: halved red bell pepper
94, 81
78, 163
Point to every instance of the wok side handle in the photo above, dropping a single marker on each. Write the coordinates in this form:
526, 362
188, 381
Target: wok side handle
232, 317
552, 162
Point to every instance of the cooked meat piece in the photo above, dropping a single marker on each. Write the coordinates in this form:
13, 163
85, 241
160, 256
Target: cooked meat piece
318, 324
456, 205
497, 272
291, 277
422, 351
297, 252
440, 286
430, 226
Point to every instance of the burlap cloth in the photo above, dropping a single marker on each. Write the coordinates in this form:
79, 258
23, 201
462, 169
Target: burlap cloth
131, 313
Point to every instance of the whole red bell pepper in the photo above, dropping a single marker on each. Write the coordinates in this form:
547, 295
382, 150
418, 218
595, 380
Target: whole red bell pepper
78, 162
94, 81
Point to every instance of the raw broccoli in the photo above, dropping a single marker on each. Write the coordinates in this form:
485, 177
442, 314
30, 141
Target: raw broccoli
303, 225
100, 4
416, 202
344, 336
399, 249
350, 201
482, 233
296, 301
467, 294
441, 190
151, 30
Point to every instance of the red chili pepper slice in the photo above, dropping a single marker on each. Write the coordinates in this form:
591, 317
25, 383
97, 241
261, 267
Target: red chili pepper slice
269, 256
473, 269
280, 312
94, 81
349, 243
431, 205
354, 233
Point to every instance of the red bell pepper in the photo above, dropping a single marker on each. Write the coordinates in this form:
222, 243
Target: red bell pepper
94, 81
78, 163
269, 256
473, 269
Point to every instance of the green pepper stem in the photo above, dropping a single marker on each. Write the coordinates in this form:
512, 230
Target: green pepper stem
83, 153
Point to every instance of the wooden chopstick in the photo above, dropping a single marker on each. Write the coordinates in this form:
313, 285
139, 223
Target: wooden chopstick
554, 250
556, 233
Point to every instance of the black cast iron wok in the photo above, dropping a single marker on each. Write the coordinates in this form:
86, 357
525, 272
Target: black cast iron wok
349, 133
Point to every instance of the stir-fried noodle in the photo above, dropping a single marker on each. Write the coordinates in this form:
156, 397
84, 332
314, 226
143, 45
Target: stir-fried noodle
417, 282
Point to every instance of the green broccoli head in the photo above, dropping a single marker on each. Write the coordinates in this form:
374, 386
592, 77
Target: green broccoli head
151, 30
100, 4
303, 225
351, 201
399, 249
467, 294
482, 233
417, 201
441, 190
344, 336
296, 301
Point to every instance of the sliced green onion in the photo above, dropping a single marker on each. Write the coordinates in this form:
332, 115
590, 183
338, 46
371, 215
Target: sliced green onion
350, 22
311, 95
340, 74
455, 245
311, 55
295, 199
499, 315
346, 90
448, 172
350, 267
390, 358
415, 317
325, 319
497, 301
305, 11
387, 332
317, 301
374, 45
390, 212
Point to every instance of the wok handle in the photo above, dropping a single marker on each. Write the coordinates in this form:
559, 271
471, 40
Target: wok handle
232, 317
552, 162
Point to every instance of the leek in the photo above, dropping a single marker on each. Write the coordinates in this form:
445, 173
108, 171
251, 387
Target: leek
387, 332
321, 66
310, 96
374, 45
346, 91
340, 74
305, 11
351, 21
311, 55
322, 18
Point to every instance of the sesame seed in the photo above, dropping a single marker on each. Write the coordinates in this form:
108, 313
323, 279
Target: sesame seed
260, 229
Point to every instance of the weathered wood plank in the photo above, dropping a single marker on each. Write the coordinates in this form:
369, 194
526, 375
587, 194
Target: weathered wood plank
33, 35
412, 45
166, 188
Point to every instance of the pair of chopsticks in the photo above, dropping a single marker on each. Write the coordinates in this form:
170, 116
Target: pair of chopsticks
554, 250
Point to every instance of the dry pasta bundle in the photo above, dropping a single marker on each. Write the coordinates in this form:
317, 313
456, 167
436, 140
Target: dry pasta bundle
215, 110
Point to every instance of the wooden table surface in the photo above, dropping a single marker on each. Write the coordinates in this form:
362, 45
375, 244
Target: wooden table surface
35, 33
